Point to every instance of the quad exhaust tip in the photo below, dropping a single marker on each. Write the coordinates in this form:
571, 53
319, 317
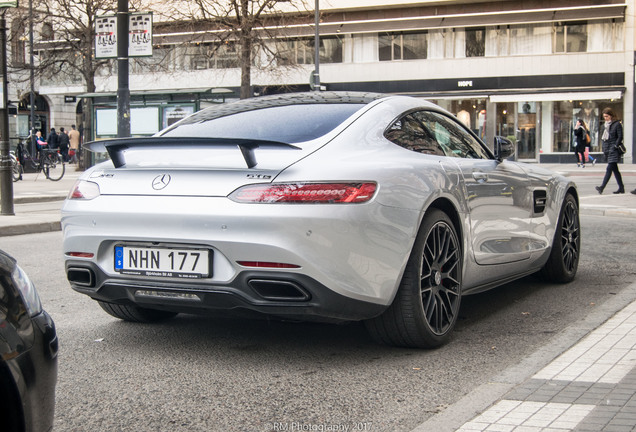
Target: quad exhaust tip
277, 290
81, 276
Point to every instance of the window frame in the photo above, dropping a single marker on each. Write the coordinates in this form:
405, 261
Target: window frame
470, 140
396, 45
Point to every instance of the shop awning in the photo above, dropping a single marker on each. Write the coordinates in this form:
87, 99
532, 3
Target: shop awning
209, 92
560, 96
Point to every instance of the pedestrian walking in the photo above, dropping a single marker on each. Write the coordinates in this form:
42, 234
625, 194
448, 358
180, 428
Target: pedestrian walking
74, 138
612, 137
64, 144
580, 133
588, 143
53, 140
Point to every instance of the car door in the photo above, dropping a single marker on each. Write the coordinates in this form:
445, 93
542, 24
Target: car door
497, 193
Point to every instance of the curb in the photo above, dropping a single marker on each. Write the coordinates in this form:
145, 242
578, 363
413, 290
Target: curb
38, 199
615, 212
34, 228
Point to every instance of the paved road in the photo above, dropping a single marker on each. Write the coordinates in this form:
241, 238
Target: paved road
232, 374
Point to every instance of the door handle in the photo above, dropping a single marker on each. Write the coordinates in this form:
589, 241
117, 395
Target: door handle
480, 177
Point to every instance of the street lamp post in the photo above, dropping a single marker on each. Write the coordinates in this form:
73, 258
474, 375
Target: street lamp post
6, 183
316, 74
31, 83
123, 89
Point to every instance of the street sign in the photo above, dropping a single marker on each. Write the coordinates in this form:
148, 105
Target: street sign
6, 4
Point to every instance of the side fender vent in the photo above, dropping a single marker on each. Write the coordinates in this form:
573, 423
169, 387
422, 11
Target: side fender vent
539, 199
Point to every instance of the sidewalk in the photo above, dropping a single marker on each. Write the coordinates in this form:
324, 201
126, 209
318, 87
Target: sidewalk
590, 387
36, 203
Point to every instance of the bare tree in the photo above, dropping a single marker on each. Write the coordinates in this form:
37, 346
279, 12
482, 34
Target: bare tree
64, 39
251, 24
65, 34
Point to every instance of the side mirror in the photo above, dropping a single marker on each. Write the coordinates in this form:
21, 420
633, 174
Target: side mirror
504, 148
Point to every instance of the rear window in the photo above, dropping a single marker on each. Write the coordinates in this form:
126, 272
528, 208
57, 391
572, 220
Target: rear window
288, 124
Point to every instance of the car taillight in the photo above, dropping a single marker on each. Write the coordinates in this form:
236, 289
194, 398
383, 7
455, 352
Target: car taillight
84, 190
264, 264
81, 254
306, 193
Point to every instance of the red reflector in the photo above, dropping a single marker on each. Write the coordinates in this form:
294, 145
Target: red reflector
266, 264
81, 254
312, 193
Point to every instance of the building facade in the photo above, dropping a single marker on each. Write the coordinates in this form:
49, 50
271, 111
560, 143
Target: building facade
522, 69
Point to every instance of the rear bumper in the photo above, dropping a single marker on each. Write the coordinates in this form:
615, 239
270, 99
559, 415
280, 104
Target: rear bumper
283, 294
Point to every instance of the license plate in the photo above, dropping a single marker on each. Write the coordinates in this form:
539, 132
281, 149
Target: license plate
162, 262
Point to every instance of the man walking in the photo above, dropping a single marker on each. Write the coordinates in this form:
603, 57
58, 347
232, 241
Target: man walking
53, 140
64, 143
74, 138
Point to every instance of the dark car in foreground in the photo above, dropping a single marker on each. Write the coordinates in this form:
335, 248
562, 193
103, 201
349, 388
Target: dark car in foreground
317, 206
28, 354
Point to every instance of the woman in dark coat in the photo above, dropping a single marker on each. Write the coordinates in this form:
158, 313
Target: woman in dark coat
579, 143
612, 136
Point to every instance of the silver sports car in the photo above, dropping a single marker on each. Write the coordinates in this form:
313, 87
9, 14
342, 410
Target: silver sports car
315, 206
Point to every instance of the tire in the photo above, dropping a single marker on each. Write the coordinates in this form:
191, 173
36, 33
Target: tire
135, 313
16, 171
564, 257
425, 309
53, 166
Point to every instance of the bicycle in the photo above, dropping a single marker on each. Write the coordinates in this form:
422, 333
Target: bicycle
16, 167
49, 161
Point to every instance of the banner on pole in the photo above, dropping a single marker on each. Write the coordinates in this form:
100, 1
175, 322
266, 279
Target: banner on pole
106, 37
139, 36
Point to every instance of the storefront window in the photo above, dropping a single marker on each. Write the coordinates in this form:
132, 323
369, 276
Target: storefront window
471, 112
506, 121
567, 112
527, 129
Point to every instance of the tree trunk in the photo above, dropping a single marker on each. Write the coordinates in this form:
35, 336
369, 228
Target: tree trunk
246, 65
246, 50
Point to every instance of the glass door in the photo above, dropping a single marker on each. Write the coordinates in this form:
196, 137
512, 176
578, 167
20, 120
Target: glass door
527, 129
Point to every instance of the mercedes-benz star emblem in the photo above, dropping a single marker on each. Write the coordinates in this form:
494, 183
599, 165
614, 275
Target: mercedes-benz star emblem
161, 181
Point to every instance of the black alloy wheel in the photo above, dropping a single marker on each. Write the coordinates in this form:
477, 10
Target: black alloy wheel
570, 236
563, 261
425, 309
439, 284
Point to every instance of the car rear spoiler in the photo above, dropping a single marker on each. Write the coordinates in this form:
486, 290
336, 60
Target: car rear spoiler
116, 147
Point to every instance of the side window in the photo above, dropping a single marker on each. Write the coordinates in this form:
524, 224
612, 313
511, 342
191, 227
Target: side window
413, 132
433, 133
456, 141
